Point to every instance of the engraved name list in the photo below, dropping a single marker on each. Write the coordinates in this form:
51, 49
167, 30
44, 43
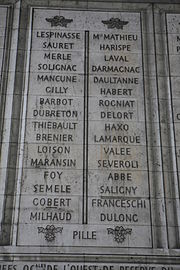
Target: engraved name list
83, 170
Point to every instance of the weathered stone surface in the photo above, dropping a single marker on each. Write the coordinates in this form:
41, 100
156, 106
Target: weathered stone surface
92, 134
89, 169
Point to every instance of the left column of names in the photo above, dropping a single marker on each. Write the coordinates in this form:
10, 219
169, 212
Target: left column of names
52, 165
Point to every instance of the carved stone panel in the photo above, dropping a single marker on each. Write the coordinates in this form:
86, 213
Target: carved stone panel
83, 164
118, 184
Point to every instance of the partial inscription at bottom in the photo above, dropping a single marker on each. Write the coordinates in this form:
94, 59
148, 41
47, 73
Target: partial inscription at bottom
45, 265
50, 232
119, 233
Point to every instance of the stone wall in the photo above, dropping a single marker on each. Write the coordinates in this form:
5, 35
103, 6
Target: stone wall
90, 144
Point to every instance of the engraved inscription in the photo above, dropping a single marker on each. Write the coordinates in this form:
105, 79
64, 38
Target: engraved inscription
117, 162
84, 165
52, 172
47, 265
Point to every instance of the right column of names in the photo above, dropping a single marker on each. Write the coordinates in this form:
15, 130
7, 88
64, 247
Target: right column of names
118, 185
